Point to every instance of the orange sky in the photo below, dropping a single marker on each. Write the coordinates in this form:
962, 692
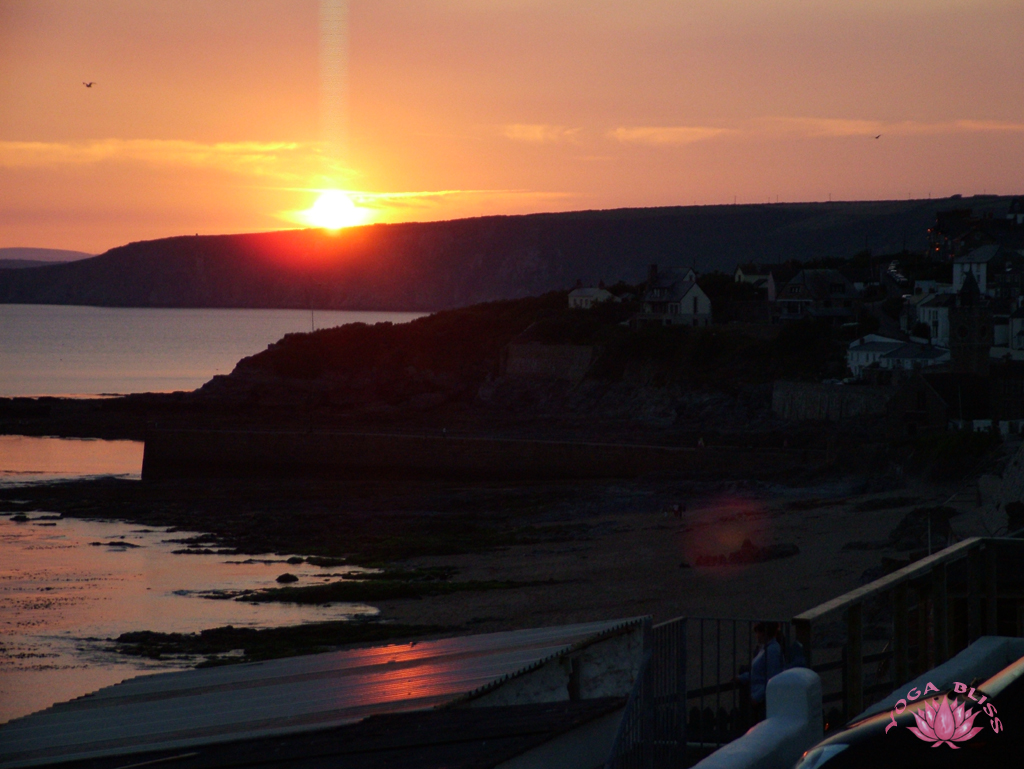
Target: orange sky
206, 113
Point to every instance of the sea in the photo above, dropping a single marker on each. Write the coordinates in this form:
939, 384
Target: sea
69, 586
97, 351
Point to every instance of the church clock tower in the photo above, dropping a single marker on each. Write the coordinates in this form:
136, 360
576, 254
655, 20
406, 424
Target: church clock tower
970, 330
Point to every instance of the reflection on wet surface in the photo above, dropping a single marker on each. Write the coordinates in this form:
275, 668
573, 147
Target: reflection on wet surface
25, 459
67, 585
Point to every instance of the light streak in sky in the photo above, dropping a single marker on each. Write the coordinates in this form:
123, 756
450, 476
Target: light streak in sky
334, 78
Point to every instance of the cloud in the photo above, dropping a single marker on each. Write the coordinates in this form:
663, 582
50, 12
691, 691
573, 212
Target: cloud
667, 135
395, 206
818, 127
427, 198
805, 127
989, 125
539, 133
274, 159
839, 127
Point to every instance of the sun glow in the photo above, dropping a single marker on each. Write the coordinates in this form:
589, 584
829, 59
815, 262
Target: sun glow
333, 210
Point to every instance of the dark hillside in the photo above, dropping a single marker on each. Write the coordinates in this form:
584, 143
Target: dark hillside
440, 265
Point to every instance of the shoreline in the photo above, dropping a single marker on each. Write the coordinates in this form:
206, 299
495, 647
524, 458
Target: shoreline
566, 552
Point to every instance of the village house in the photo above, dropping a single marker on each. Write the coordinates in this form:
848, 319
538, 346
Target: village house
869, 350
888, 354
933, 312
998, 270
769, 278
824, 294
752, 274
673, 298
585, 298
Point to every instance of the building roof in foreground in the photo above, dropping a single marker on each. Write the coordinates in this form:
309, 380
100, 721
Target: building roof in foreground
249, 701
466, 738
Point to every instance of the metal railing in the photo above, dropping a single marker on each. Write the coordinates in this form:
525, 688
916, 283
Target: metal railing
652, 732
687, 700
719, 707
911, 620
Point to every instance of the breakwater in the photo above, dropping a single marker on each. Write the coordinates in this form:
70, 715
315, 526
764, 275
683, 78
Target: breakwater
238, 453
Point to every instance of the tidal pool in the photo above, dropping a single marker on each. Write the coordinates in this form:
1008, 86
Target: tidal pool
68, 585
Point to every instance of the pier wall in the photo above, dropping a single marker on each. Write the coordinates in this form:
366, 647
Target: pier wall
811, 401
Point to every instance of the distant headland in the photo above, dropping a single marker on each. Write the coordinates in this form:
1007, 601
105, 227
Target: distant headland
443, 265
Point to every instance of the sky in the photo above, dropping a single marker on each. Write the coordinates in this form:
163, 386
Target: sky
220, 116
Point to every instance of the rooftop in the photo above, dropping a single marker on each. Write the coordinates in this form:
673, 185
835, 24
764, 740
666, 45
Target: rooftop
249, 701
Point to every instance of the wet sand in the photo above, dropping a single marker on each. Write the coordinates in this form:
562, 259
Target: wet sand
641, 561
613, 549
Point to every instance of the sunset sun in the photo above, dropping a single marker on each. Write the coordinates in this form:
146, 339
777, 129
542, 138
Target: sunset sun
333, 210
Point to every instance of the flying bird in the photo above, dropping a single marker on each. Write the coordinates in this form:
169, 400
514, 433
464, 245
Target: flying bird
879, 136
90, 84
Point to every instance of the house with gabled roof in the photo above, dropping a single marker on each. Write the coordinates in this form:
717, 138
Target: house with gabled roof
825, 294
673, 298
998, 270
585, 298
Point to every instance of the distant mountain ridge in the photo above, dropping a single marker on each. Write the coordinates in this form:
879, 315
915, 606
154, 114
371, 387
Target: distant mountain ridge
20, 264
41, 255
439, 265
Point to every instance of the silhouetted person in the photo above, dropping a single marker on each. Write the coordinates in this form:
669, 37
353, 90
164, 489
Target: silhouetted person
768, 662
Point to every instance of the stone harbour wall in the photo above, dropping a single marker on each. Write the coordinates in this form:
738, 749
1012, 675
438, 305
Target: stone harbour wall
550, 361
812, 401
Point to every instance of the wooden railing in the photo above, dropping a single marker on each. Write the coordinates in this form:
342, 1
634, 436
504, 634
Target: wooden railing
921, 597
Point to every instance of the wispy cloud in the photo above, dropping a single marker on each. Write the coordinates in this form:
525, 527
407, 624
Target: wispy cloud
837, 127
988, 125
814, 127
275, 159
429, 198
667, 135
397, 206
539, 133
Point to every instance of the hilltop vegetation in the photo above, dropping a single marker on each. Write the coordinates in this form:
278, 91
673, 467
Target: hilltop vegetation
456, 357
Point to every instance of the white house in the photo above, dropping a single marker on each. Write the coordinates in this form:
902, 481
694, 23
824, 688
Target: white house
869, 349
891, 354
585, 298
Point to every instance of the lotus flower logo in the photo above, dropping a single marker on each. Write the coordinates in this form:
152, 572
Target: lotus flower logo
941, 723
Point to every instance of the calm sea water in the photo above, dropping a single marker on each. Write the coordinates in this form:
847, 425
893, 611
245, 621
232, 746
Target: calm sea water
67, 586
26, 460
66, 350
61, 596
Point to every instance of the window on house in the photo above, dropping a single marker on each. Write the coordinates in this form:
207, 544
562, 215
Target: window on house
694, 305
